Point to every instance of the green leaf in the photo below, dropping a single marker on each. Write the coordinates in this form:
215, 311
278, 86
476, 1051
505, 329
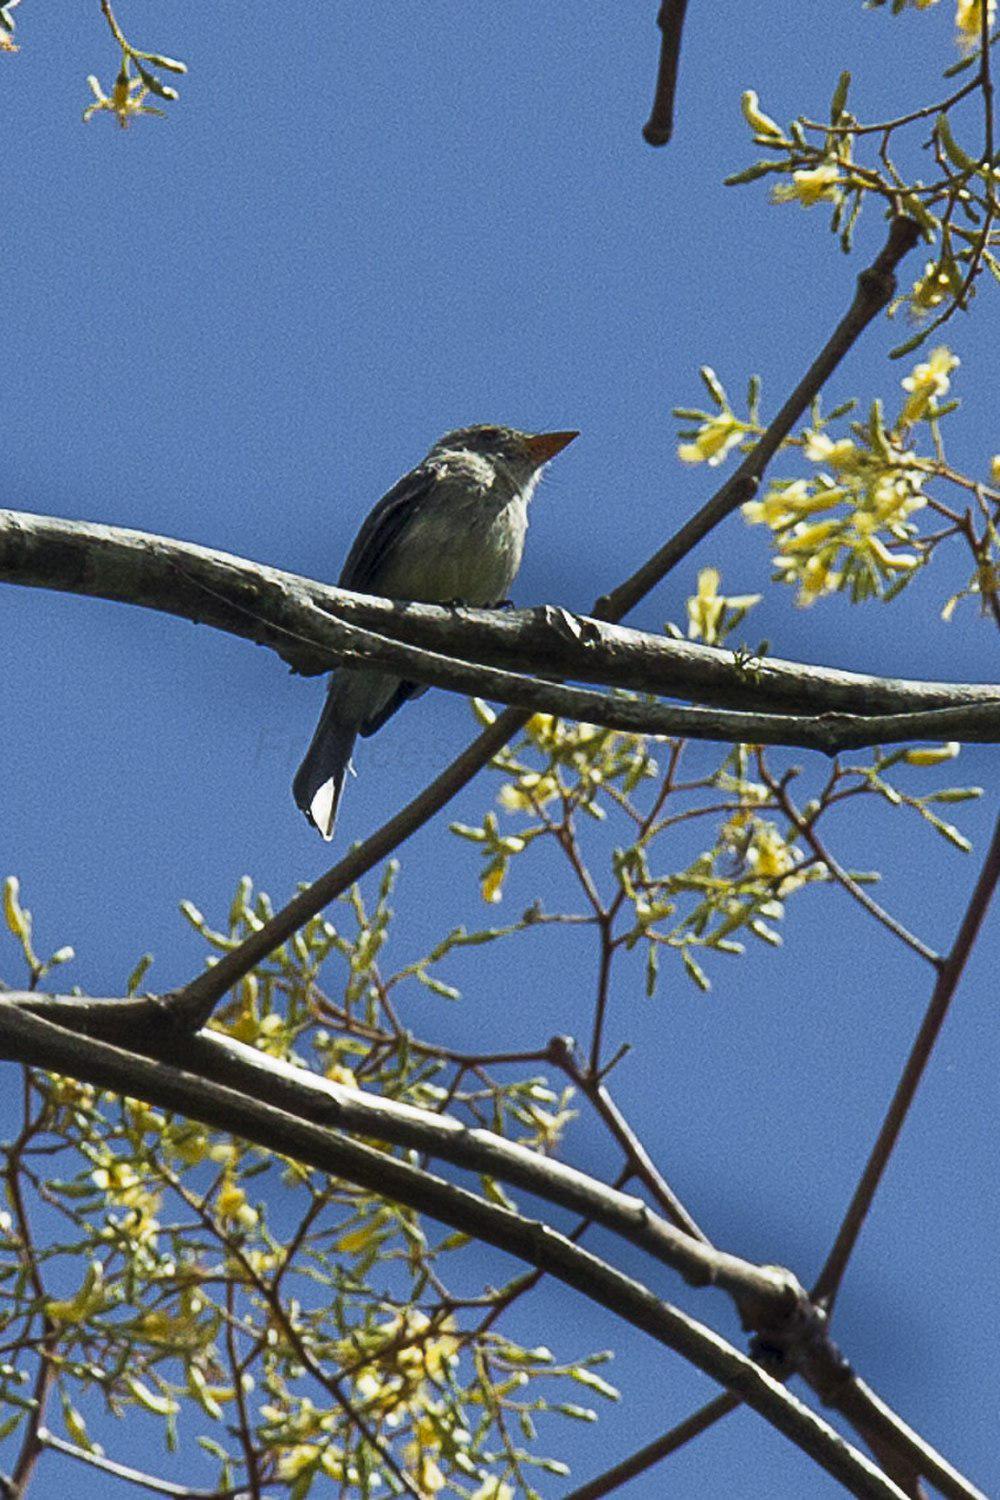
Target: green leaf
910, 344
438, 986
652, 969
595, 1383
159, 61
696, 972
960, 66
948, 831
715, 387
138, 974
956, 155
7, 1427
839, 97
752, 173
155, 85
578, 1413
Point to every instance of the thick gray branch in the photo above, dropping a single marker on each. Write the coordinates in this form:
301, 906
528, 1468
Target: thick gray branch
315, 626
770, 1299
29, 1039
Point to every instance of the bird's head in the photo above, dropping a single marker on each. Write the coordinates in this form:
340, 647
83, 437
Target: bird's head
524, 453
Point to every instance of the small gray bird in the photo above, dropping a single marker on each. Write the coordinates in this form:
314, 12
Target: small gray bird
451, 530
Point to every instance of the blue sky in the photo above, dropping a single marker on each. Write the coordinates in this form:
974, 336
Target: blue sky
363, 225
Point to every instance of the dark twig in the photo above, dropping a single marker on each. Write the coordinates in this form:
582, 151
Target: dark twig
828, 1283
857, 893
135, 1477
875, 289
641, 1164
660, 126
45, 1374
637, 1463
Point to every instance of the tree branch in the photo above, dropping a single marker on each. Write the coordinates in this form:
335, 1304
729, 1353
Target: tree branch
770, 1300
660, 126
668, 1442
875, 289
136, 1476
222, 1060
28, 1038
949, 974
315, 627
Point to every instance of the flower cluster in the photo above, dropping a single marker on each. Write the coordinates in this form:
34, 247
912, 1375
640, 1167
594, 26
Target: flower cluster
850, 524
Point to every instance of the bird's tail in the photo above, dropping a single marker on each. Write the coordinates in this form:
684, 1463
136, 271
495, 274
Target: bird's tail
319, 781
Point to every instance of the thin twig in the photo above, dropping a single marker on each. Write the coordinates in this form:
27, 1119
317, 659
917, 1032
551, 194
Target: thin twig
660, 126
846, 881
136, 1476
875, 289
829, 1280
638, 1462
641, 1164
45, 1375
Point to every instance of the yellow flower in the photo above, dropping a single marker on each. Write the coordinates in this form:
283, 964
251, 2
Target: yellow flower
810, 538
421, 1457
493, 1489
995, 468
816, 575
969, 21
338, 1072
127, 98
491, 885
896, 494
707, 608
713, 441
810, 185
7, 43
531, 790
890, 562
88, 1300
930, 289
406, 1358
759, 122
785, 504
545, 730
122, 1184
933, 755
232, 1205
929, 380
843, 454
302, 1456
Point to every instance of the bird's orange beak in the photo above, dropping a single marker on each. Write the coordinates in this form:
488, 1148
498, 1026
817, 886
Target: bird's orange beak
545, 445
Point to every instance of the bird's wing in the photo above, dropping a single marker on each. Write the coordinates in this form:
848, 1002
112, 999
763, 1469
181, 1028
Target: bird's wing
372, 548
403, 693
383, 528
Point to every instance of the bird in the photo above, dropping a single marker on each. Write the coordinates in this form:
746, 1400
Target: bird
451, 531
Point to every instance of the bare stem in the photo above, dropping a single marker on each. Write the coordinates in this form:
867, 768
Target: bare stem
637, 1463
660, 126
857, 893
949, 974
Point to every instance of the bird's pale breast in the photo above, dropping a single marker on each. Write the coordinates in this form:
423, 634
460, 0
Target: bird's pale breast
466, 546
